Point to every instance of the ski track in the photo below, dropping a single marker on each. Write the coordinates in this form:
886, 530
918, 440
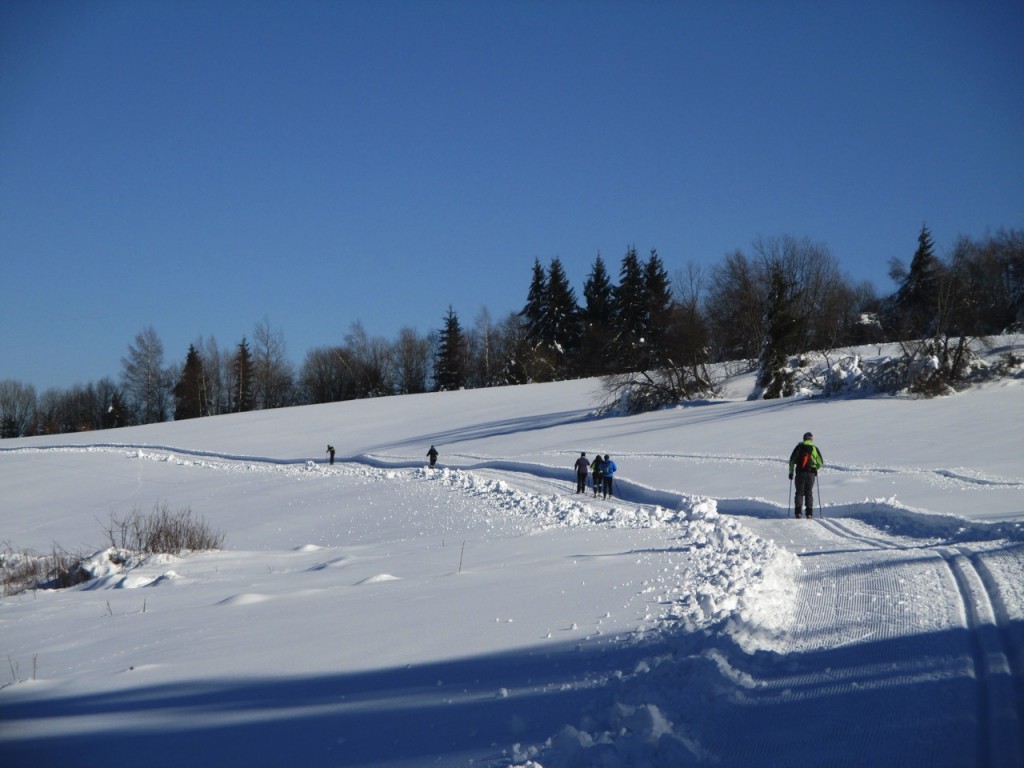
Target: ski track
950, 478
956, 478
985, 617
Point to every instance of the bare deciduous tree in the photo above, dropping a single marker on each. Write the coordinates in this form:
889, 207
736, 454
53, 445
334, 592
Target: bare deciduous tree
272, 375
146, 380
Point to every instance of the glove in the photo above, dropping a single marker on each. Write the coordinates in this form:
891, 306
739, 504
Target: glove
790, 475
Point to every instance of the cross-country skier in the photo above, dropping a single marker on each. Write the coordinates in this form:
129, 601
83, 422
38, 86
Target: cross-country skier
608, 475
582, 467
432, 455
597, 467
804, 463
330, 452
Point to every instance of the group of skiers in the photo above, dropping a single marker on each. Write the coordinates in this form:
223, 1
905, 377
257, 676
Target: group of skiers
602, 469
804, 463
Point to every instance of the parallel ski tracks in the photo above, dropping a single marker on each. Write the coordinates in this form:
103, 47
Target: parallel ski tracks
996, 661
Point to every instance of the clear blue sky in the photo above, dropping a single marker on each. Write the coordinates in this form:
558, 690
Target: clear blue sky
202, 166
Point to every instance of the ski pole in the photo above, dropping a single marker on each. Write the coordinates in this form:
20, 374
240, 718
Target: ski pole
821, 513
789, 504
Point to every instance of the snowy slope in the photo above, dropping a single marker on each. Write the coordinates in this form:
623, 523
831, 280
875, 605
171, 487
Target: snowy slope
377, 613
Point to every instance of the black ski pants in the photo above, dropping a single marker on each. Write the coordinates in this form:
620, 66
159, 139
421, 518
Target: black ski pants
804, 492
581, 482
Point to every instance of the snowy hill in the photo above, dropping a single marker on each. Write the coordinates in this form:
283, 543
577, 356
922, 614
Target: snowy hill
379, 613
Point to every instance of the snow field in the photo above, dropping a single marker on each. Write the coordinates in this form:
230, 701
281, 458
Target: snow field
376, 613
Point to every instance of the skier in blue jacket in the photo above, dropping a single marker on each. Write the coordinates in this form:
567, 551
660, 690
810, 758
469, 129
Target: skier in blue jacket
608, 475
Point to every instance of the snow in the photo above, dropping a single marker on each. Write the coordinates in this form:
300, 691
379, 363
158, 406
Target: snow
380, 613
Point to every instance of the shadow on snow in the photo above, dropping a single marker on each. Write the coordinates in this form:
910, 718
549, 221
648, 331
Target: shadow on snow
895, 701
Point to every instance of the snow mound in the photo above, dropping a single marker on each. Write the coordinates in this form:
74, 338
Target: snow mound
378, 579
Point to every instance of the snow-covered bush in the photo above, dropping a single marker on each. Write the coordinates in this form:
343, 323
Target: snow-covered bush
24, 570
163, 531
643, 391
132, 539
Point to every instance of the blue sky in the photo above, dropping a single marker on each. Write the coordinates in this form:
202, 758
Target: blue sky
201, 167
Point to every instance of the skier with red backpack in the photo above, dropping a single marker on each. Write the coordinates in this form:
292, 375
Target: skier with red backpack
804, 463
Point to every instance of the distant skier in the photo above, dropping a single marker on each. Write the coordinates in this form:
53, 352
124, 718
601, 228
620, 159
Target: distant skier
597, 468
804, 463
582, 467
607, 476
432, 455
330, 452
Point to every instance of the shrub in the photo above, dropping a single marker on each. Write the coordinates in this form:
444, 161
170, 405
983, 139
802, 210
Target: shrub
30, 570
162, 531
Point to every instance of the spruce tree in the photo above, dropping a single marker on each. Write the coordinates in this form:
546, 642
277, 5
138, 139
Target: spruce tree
450, 366
630, 314
535, 311
597, 320
561, 332
241, 378
914, 307
190, 391
781, 329
658, 320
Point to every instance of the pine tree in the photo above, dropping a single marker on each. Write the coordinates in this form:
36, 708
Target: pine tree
450, 367
190, 391
241, 379
597, 320
117, 413
774, 377
535, 311
914, 307
658, 320
561, 331
630, 314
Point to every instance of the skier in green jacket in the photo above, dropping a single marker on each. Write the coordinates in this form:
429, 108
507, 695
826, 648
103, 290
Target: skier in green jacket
804, 463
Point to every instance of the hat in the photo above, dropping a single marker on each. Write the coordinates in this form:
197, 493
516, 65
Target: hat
808, 436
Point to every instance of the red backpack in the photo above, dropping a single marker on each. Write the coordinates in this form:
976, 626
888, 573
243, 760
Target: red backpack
804, 458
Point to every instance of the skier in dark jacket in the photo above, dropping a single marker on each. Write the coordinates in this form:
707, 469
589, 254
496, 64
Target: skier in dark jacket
597, 468
330, 452
432, 455
608, 476
582, 467
804, 463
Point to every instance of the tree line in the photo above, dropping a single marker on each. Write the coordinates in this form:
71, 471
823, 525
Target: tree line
785, 296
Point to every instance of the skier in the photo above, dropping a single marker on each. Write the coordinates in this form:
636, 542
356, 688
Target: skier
608, 476
330, 452
432, 454
804, 462
582, 466
597, 468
